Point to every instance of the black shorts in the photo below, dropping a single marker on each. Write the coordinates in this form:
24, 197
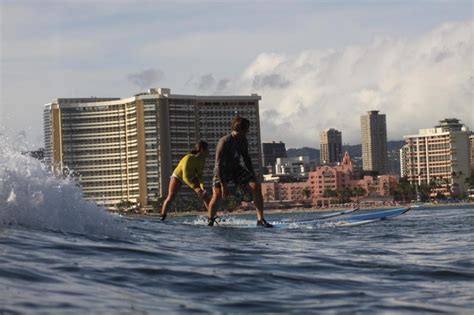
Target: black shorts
239, 175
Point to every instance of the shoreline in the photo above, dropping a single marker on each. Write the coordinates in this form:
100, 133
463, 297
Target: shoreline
299, 210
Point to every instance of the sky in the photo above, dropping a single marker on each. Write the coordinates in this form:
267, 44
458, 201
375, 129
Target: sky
316, 64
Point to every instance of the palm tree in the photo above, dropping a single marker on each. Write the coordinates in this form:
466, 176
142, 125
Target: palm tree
306, 192
328, 192
432, 186
405, 190
344, 195
359, 191
268, 196
470, 181
424, 191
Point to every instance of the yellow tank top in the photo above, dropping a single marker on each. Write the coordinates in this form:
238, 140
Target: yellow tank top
190, 170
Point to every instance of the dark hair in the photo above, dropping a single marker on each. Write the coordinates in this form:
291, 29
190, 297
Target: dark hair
199, 147
240, 124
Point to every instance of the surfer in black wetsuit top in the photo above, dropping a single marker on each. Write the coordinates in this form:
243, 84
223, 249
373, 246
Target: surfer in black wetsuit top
228, 168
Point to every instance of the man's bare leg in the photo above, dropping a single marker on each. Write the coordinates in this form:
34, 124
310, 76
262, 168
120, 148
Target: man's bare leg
216, 195
256, 189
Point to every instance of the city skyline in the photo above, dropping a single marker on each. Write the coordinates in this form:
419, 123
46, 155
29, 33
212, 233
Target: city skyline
166, 157
405, 59
127, 149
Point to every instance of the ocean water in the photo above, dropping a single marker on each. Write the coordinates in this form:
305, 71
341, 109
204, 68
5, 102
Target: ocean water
62, 255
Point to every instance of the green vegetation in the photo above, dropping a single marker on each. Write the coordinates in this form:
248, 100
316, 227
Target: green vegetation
343, 195
405, 191
470, 181
306, 192
126, 205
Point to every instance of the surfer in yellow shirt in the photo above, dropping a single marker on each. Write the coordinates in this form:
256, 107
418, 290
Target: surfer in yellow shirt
189, 171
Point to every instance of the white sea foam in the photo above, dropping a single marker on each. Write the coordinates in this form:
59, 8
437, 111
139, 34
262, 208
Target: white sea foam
239, 222
31, 197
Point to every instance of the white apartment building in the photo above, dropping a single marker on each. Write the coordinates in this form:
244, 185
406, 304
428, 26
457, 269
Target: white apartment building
438, 155
298, 167
126, 149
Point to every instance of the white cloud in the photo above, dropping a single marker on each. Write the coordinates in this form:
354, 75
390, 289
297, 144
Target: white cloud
146, 78
205, 82
65, 49
415, 82
222, 84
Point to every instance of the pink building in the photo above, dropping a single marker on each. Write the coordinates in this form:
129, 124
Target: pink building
273, 191
323, 183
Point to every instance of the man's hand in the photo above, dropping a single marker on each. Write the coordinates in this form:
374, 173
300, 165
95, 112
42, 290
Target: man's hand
225, 191
201, 193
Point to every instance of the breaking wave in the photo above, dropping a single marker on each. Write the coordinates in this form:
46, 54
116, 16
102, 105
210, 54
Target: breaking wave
30, 196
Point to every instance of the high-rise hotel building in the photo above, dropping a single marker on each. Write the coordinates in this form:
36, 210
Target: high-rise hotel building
374, 142
471, 144
126, 149
438, 156
331, 146
272, 151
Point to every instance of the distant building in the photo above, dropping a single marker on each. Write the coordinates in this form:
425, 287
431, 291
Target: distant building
394, 162
438, 156
275, 191
331, 146
374, 142
297, 167
450, 124
126, 149
272, 151
404, 160
471, 143
327, 178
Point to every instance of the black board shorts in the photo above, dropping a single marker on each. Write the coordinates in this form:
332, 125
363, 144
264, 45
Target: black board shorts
239, 175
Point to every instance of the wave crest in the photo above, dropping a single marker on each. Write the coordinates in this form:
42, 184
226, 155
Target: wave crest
32, 197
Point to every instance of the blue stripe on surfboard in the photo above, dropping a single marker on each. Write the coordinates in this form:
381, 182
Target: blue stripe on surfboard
377, 215
356, 223
322, 217
343, 222
332, 215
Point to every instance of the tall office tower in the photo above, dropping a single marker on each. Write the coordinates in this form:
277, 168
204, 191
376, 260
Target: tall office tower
471, 143
331, 146
439, 156
126, 149
272, 151
374, 142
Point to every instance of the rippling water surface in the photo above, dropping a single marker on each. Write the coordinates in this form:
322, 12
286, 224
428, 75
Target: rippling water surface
60, 254
419, 262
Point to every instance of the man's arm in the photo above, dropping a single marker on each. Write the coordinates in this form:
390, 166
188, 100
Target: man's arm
246, 156
218, 168
199, 171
